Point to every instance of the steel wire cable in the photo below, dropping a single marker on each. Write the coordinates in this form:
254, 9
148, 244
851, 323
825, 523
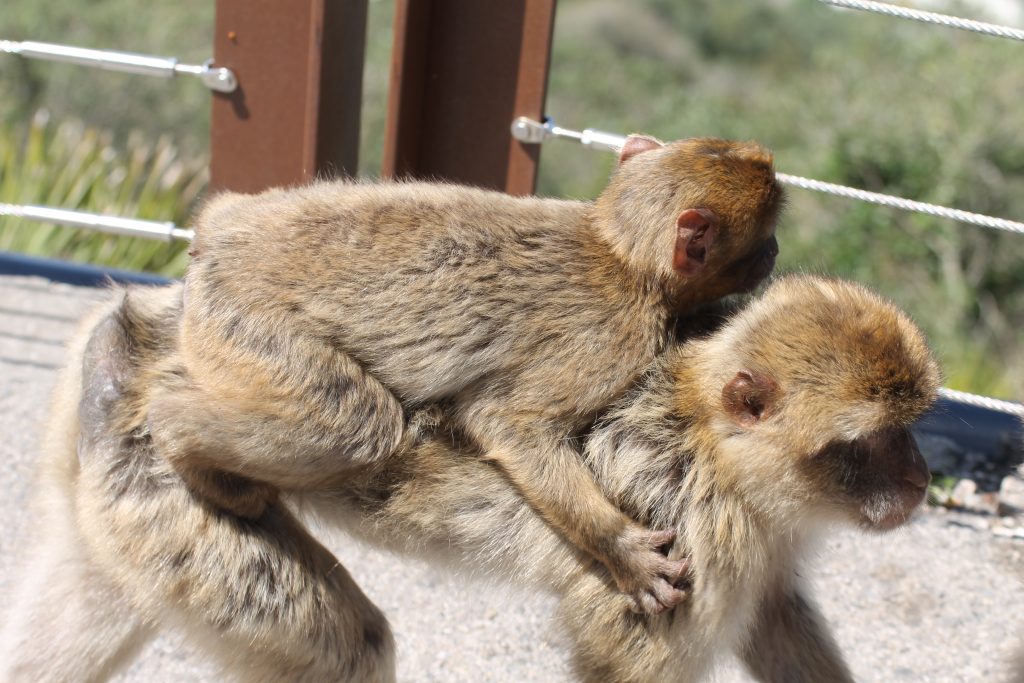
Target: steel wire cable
929, 17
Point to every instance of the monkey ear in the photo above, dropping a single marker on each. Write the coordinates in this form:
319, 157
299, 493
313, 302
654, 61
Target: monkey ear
749, 397
695, 233
635, 144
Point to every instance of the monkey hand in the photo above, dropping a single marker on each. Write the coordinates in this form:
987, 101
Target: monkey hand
643, 572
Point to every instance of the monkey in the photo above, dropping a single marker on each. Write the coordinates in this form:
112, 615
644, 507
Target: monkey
84, 611
315, 317
749, 442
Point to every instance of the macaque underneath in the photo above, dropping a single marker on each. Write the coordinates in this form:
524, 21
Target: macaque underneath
793, 415
316, 318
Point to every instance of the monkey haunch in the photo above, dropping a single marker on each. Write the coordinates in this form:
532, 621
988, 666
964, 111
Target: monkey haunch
312, 316
793, 414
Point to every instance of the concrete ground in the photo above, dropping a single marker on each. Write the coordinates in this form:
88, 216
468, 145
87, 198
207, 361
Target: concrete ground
938, 601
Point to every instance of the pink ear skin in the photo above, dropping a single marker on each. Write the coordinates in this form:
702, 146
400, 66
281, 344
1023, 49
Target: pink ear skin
750, 397
695, 233
635, 144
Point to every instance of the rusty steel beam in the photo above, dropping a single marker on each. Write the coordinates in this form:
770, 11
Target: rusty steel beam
461, 71
295, 114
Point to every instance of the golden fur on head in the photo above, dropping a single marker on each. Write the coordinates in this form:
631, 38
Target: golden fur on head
887, 374
867, 357
843, 373
734, 180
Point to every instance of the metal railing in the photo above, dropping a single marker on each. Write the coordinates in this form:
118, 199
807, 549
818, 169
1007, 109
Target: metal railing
214, 78
534, 132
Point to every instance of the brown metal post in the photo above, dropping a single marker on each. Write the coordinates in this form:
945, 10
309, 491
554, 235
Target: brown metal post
295, 114
461, 71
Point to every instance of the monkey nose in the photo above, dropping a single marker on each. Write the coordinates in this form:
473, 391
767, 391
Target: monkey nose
918, 477
916, 470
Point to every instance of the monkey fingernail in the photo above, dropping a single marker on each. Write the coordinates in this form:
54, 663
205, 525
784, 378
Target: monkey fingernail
681, 569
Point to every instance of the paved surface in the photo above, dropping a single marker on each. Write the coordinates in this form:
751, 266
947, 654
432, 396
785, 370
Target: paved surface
939, 601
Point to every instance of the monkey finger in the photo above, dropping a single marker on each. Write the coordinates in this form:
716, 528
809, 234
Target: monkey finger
661, 539
669, 596
675, 570
646, 603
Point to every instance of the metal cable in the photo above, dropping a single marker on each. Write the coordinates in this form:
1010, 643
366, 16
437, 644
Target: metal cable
215, 78
929, 17
901, 203
1008, 407
132, 227
534, 132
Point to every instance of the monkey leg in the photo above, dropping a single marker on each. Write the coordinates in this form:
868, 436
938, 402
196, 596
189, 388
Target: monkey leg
262, 597
67, 622
552, 477
790, 643
610, 643
237, 447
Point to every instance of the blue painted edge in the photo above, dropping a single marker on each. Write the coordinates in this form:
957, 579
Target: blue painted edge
977, 429
73, 273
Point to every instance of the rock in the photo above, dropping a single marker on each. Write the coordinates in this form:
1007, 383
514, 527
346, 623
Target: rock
1008, 532
965, 495
1011, 496
963, 492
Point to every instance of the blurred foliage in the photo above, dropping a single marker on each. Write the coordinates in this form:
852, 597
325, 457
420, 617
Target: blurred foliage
882, 104
888, 105
111, 101
68, 165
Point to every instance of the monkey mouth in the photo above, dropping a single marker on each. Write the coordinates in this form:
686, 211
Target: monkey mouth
886, 515
891, 521
754, 270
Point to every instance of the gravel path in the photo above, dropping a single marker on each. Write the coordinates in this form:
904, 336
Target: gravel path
941, 600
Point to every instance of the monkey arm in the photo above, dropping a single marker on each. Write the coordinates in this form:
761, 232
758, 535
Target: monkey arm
553, 478
791, 643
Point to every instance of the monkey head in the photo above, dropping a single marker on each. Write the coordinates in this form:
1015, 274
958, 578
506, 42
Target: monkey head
699, 214
815, 386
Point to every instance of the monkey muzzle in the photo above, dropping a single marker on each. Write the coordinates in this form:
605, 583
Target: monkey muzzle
901, 476
759, 264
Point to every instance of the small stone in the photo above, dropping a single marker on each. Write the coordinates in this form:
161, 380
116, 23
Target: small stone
986, 502
1005, 532
966, 496
1011, 494
962, 493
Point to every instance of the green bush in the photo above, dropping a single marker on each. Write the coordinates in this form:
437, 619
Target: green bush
883, 104
71, 166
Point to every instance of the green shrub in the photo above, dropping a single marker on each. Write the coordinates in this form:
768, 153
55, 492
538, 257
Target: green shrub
71, 166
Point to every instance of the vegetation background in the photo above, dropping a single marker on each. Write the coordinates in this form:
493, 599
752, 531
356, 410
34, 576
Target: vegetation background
883, 104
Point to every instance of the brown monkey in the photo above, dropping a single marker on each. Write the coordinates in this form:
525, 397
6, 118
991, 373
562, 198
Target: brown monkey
313, 315
264, 598
794, 414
